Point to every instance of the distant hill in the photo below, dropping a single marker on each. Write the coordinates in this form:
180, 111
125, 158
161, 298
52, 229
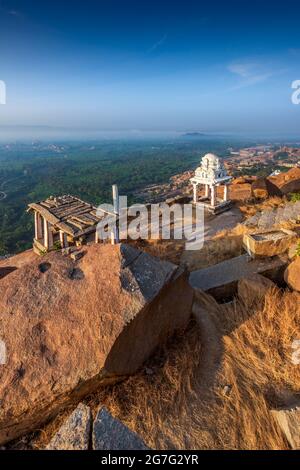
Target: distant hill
194, 134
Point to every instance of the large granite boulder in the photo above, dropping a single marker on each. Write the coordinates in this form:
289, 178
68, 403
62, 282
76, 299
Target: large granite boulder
288, 182
263, 188
74, 434
252, 290
292, 274
69, 327
111, 434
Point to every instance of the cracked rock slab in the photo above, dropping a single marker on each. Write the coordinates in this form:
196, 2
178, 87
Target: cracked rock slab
74, 434
111, 434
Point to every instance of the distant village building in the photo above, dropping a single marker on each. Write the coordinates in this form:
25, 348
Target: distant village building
211, 173
66, 220
275, 173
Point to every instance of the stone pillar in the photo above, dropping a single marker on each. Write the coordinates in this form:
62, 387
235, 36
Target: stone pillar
115, 237
225, 193
213, 195
36, 226
206, 190
38, 229
48, 238
63, 239
115, 192
195, 195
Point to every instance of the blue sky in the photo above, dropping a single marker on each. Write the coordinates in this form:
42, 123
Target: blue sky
185, 65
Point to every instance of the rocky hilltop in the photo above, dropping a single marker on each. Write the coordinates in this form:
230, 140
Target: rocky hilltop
71, 326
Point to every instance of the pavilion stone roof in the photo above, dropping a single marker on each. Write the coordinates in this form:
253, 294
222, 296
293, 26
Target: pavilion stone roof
69, 214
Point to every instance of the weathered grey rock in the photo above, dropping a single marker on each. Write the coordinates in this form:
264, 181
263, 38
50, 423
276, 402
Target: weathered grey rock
110, 434
253, 221
74, 434
267, 219
289, 422
220, 280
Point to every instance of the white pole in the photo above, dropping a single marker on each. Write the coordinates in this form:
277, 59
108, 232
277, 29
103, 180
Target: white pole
115, 198
225, 192
115, 235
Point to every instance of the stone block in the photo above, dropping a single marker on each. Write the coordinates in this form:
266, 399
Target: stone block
272, 243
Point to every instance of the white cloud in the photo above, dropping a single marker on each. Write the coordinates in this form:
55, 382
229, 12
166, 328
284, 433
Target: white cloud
250, 73
158, 43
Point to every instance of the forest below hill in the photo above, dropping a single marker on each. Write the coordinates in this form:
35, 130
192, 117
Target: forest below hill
33, 171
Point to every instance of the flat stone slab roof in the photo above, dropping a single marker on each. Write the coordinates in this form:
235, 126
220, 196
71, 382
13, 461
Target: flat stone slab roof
68, 213
230, 271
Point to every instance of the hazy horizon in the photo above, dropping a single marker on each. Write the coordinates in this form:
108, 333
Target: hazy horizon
11, 134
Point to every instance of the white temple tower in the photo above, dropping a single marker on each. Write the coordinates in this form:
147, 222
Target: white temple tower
211, 173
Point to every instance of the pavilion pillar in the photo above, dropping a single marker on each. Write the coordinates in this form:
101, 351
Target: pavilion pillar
63, 239
225, 193
38, 229
48, 237
195, 193
213, 195
114, 239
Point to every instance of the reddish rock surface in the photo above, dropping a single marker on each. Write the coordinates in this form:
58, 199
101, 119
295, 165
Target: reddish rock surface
264, 187
70, 326
240, 191
292, 275
288, 182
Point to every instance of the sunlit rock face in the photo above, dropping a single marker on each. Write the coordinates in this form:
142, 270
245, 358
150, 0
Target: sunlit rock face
70, 326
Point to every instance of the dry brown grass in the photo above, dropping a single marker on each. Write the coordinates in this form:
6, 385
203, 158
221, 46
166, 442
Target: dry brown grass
168, 250
225, 245
180, 403
257, 365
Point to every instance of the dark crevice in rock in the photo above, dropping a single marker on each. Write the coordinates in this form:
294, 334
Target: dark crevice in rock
43, 267
90, 446
5, 271
130, 255
76, 274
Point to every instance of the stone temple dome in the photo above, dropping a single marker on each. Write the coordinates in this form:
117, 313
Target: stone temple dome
211, 168
210, 156
211, 173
